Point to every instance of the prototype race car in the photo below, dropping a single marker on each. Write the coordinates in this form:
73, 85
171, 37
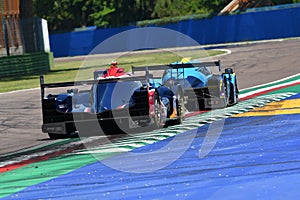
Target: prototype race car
115, 102
203, 84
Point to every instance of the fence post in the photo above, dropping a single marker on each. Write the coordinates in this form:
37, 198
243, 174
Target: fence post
6, 37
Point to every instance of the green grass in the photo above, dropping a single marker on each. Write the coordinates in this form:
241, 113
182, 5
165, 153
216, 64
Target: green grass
83, 69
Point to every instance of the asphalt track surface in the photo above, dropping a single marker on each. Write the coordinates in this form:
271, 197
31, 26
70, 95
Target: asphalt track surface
254, 64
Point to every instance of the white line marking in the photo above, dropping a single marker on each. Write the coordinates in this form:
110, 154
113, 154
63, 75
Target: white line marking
267, 88
16, 91
283, 79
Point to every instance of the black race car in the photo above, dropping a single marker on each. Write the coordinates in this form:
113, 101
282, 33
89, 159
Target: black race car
107, 105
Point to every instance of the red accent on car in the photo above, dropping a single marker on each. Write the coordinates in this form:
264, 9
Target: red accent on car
151, 102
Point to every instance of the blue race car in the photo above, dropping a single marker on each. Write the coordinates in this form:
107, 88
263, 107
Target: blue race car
203, 84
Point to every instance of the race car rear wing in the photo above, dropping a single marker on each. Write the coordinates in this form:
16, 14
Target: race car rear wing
177, 66
88, 82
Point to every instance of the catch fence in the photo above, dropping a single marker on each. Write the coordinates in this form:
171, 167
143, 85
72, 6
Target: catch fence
10, 37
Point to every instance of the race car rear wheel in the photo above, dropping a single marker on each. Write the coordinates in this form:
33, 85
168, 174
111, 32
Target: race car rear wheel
54, 136
226, 93
157, 112
180, 107
232, 95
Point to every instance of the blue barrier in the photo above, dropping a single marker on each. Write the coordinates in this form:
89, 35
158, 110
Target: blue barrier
220, 29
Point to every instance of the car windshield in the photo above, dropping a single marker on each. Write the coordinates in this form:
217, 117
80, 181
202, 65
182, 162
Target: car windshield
114, 95
214, 70
205, 70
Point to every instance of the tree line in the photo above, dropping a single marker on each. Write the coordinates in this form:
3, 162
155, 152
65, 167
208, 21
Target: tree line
65, 15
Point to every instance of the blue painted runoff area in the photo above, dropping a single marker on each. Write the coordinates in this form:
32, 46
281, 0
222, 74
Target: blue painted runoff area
282, 23
254, 158
296, 96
